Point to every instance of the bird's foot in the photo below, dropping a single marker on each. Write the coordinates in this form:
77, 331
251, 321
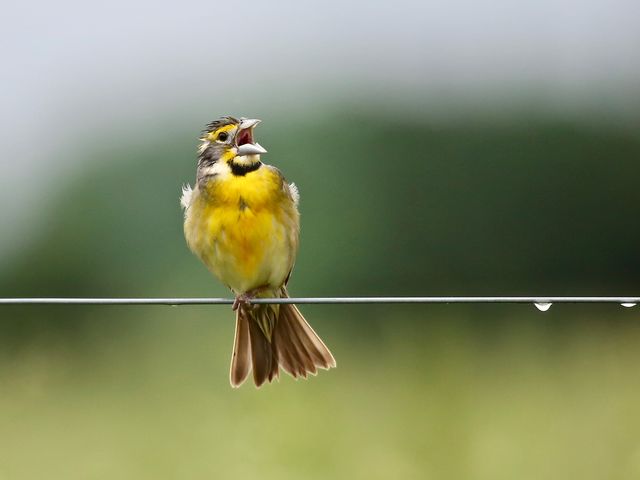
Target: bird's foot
240, 300
245, 298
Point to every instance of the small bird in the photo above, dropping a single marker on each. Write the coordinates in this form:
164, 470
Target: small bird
241, 219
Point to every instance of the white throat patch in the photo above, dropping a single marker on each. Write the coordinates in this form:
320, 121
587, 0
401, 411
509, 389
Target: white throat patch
246, 160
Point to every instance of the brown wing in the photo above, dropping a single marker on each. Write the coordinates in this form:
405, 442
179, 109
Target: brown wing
290, 204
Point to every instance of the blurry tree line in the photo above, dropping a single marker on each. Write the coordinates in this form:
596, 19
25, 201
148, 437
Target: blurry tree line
390, 206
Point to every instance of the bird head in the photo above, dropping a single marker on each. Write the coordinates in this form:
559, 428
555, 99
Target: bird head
227, 143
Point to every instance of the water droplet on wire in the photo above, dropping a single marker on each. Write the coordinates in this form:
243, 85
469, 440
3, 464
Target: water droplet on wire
543, 306
628, 304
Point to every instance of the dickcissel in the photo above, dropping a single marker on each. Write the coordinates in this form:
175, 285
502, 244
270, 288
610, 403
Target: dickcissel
241, 219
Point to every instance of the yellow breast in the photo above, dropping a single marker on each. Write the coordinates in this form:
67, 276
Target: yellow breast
244, 228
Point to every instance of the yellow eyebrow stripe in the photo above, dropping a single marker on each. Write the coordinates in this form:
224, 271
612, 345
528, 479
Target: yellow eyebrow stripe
212, 136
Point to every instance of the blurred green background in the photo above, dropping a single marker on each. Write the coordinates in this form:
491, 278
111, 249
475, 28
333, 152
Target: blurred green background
416, 193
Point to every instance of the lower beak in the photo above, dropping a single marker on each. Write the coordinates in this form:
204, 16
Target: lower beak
250, 149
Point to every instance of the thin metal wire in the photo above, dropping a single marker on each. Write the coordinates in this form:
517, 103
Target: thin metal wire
312, 300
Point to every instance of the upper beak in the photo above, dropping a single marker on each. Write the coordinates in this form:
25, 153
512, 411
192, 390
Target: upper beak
248, 123
244, 138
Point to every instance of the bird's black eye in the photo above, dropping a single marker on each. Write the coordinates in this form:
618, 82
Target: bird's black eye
222, 136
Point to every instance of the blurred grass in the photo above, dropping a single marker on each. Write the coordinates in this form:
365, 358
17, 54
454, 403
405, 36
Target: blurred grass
417, 394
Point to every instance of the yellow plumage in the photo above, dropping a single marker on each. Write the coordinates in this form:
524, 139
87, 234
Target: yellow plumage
244, 228
242, 221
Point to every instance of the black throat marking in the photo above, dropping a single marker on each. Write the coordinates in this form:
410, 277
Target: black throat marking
242, 170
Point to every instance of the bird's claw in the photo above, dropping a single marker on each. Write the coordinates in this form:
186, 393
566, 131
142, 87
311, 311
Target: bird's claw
245, 298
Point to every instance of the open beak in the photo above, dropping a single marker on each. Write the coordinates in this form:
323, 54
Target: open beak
244, 138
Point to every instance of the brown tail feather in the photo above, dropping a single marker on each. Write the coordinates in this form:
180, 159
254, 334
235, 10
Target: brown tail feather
293, 345
241, 357
294, 335
264, 357
289, 345
295, 340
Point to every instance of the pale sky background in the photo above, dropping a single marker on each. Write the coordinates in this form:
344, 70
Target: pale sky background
78, 72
